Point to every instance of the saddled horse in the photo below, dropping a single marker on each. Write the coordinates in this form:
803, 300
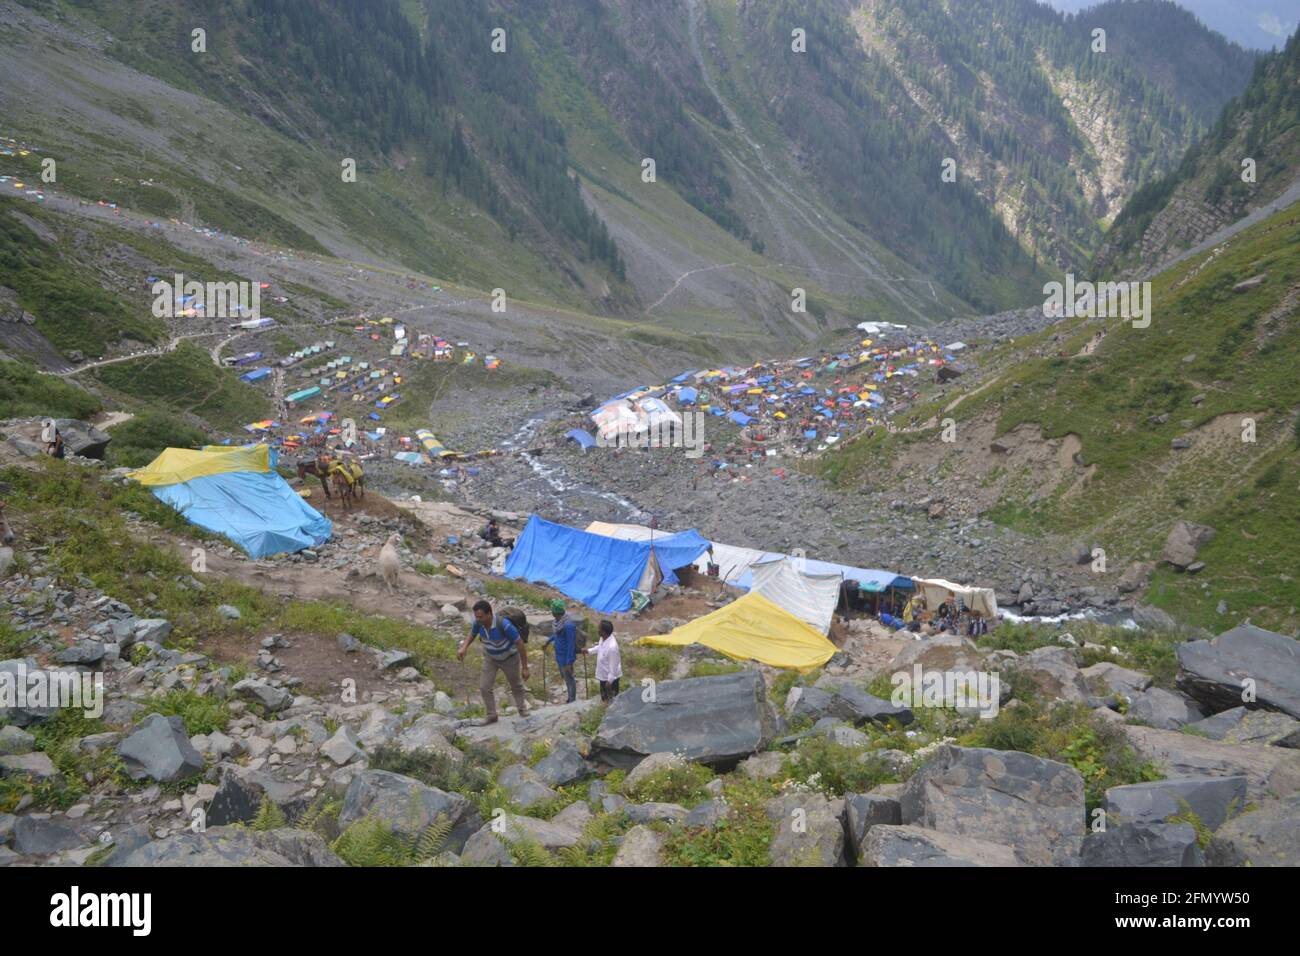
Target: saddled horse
349, 481
316, 469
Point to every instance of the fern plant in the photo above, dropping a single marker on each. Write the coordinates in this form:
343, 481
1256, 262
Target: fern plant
269, 816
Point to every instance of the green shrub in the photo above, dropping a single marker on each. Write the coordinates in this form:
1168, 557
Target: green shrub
201, 715
140, 440
683, 784
834, 769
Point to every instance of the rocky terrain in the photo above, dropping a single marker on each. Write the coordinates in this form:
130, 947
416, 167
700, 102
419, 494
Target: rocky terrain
263, 741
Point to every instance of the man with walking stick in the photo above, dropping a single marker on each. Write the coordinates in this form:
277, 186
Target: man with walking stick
564, 635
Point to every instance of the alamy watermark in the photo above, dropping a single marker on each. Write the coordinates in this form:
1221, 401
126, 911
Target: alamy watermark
22, 689
967, 691
1098, 300
213, 300
687, 433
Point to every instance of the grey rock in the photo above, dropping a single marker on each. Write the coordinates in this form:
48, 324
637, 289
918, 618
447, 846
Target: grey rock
1212, 672
87, 652
37, 766
562, 766
1212, 799
342, 747
1143, 844
809, 830
917, 846
484, 849
426, 735
242, 790
641, 847
15, 740
159, 749
1267, 836
866, 810
525, 787
1034, 805
256, 691
36, 837
230, 846
403, 803
652, 812
716, 721
708, 814
1158, 707
1271, 772
1114, 679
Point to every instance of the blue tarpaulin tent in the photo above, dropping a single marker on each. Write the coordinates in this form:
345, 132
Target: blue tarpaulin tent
599, 571
740, 418
236, 492
583, 439
687, 395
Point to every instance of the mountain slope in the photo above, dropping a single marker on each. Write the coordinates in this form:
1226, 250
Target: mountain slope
1208, 190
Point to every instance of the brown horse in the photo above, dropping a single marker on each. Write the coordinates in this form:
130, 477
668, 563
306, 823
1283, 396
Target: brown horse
315, 469
348, 490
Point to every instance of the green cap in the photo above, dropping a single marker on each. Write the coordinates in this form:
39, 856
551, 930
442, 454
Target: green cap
557, 607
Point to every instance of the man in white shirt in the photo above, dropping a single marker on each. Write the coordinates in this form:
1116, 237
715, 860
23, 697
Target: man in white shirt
609, 663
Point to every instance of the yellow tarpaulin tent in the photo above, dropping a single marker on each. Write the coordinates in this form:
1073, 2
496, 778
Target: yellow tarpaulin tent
184, 464
753, 628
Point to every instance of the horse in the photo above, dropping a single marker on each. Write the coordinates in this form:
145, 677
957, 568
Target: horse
313, 467
346, 488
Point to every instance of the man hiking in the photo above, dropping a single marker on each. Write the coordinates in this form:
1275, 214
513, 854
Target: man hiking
502, 651
564, 635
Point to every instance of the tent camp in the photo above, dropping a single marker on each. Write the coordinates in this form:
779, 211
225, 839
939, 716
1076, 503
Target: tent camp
810, 597
597, 570
937, 590
753, 628
236, 492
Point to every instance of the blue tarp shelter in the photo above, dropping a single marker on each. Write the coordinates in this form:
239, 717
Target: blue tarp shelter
740, 418
237, 493
584, 439
596, 570
687, 395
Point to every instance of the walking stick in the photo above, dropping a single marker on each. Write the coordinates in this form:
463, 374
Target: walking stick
545, 695
586, 688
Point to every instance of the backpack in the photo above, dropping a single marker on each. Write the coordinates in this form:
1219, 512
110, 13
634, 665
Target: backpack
517, 617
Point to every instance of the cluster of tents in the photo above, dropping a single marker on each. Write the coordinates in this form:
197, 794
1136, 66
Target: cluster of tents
783, 619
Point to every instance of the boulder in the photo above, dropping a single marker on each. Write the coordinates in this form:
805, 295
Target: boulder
1143, 844
1267, 836
1054, 673
342, 747
655, 812
36, 837
229, 846
38, 766
854, 704
81, 438
1158, 707
428, 735
1270, 772
917, 846
1244, 726
1109, 678
809, 830
242, 790
1184, 539
407, 806
525, 787
378, 728
1212, 799
549, 834
562, 766
1034, 805
763, 766
641, 846
15, 740
862, 811
708, 814
484, 849
160, 750
259, 692
716, 721
1212, 672
1136, 577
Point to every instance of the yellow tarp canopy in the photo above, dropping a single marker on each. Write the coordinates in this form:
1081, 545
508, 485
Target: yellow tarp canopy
753, 628
175, 465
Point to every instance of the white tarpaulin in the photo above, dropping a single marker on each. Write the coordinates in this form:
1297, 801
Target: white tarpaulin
937, 590
809, 597
733, 562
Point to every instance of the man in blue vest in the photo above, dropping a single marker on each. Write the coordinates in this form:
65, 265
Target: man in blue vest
502, 651
564, 635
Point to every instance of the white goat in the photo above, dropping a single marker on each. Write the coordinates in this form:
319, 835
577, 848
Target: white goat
390, 562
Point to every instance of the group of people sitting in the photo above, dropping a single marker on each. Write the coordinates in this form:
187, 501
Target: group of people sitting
950, 617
